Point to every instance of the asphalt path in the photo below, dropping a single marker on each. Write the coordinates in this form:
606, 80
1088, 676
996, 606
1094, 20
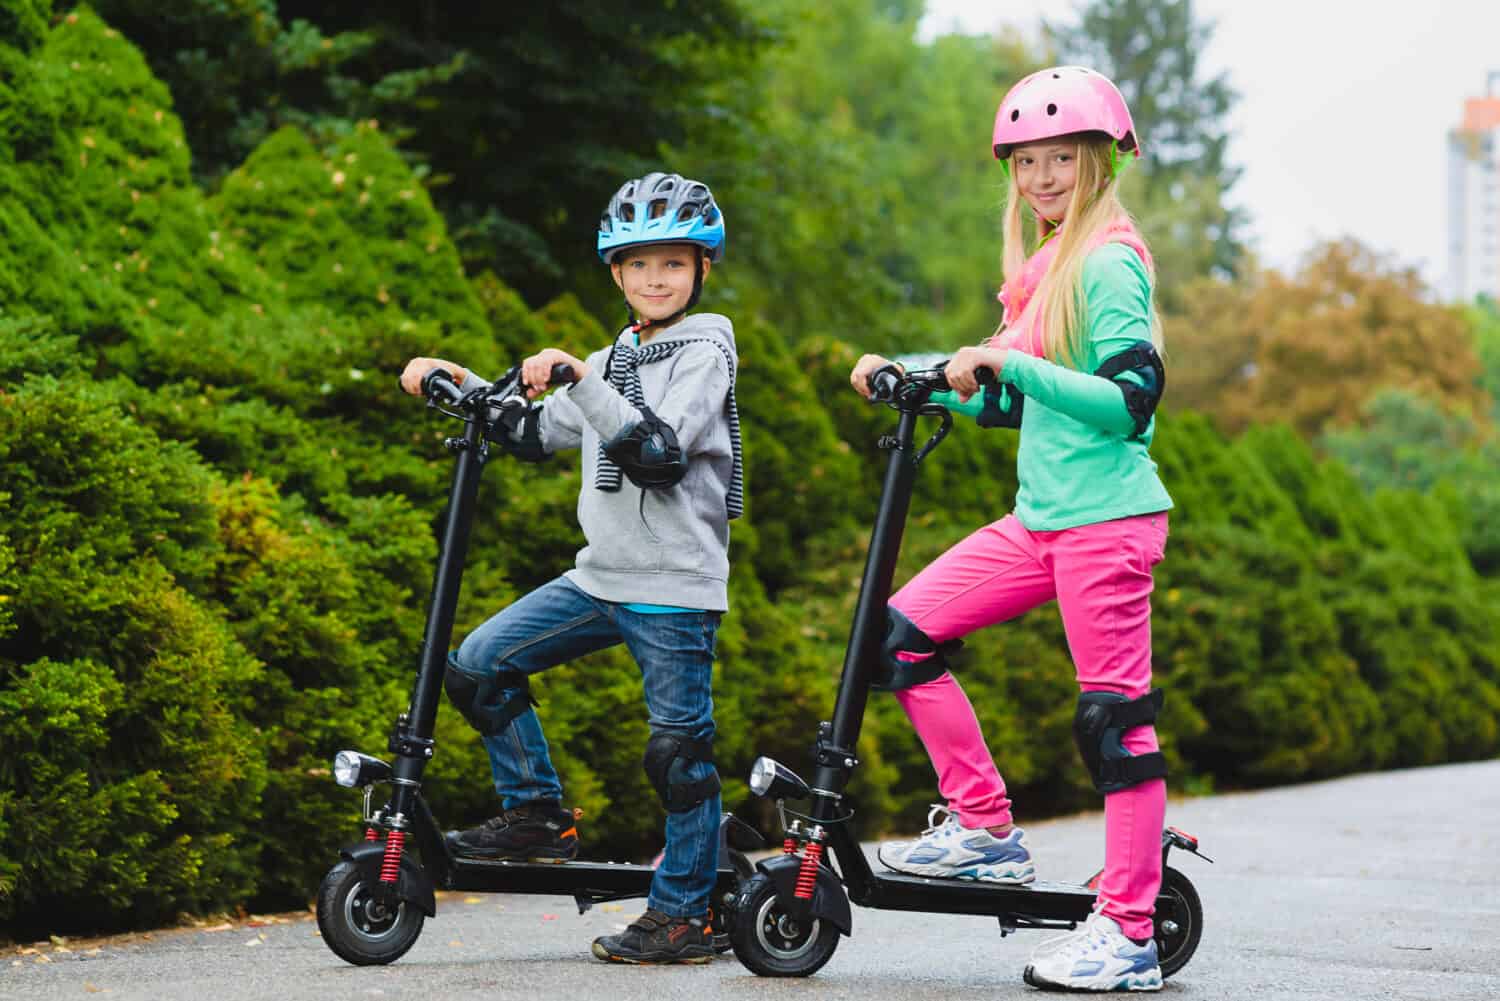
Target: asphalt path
1374, 886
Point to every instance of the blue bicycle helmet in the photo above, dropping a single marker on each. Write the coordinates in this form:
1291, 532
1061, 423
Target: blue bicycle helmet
661, 208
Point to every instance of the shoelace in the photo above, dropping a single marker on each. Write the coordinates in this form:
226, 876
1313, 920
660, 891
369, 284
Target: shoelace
933, 824
1091, 931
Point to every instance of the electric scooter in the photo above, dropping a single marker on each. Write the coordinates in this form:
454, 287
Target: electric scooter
789, 916
372, 903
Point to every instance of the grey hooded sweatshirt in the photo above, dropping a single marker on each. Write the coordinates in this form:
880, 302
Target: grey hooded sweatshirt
657, 546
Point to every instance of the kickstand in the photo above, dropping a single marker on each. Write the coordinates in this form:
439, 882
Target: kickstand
584, 903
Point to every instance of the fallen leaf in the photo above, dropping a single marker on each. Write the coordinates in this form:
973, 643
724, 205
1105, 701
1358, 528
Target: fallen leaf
473, 900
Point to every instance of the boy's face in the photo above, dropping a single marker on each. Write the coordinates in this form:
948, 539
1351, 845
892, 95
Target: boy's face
657, 280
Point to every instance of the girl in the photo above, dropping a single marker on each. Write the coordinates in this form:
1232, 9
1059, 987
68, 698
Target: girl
1078, 371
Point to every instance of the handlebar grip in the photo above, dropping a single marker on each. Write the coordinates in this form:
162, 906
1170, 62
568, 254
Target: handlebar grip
437, 381
883, 382
562, 373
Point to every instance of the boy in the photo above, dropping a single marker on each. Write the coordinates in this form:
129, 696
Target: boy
655, 416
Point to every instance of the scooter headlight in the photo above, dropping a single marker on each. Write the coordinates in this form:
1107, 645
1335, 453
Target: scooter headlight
773, 780
350, 768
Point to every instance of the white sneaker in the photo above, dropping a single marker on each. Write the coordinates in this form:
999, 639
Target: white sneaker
949, 850
1096, 957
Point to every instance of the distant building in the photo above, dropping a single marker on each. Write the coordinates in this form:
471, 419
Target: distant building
1474, 198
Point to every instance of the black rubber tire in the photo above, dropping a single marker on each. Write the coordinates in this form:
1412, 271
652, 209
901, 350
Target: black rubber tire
1173, 950
769, 943
356, 928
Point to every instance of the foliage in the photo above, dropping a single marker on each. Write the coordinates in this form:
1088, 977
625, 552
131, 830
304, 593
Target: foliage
538, 117
862, 198
1407, 441
1312, 348
1150, 49
216, 524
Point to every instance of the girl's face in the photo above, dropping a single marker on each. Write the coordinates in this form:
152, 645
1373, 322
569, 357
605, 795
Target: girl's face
1045, 174
657, 280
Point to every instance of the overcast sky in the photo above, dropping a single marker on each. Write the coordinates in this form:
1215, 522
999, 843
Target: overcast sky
1343, 113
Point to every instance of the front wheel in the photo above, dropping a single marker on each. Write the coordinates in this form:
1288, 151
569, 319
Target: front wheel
358, 925
772, 943
1177, 928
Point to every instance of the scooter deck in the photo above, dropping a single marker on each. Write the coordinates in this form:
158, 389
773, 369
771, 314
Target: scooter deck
593, 881
1042, 900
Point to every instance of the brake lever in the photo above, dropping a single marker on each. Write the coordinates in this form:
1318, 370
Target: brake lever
934, 410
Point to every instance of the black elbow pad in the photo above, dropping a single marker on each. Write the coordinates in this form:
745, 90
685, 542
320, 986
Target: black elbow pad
648, 453
1142, 361
1002, 406
519, 432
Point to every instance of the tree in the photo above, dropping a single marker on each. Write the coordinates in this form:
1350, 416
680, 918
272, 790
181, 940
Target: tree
1150, 49
1408, 441
1484, 320
862, 196
1312, 348
524, 124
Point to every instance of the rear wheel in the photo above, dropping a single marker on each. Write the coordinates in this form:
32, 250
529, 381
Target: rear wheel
362, 926
1178, 927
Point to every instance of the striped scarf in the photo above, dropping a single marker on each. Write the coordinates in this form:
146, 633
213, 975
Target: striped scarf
621, 372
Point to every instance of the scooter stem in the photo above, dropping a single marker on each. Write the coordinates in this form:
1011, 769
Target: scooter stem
868, 631
413, 751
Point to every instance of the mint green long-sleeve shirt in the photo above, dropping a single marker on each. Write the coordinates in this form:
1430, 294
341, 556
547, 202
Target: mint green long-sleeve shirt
1079, 463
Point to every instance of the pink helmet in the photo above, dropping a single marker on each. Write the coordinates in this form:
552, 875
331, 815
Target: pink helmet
1061, 101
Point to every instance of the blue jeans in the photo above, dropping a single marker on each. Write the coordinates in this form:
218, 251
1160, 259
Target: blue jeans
557, 623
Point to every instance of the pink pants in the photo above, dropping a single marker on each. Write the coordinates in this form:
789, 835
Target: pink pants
1101, 577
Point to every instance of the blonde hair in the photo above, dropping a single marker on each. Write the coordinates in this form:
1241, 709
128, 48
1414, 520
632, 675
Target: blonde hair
1058, 299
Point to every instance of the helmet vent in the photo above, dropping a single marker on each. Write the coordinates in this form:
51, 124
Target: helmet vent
656, 209
1051, 109
1015, 113
627, 212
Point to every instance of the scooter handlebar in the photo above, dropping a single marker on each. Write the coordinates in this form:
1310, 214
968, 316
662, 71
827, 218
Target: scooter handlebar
438, 386
883, 383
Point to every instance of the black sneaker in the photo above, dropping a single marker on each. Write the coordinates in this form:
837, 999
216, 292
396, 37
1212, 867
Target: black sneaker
539, 831
655, 938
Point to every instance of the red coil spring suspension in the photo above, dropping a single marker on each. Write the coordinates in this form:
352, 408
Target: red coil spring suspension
807, 876
390, 865
370, 834
789, 846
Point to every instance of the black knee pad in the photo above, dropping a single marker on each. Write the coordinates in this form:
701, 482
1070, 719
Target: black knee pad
1099, 727
668, 757
482, 701
902, 636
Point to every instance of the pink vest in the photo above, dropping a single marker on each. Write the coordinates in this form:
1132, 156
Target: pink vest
1015, 299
